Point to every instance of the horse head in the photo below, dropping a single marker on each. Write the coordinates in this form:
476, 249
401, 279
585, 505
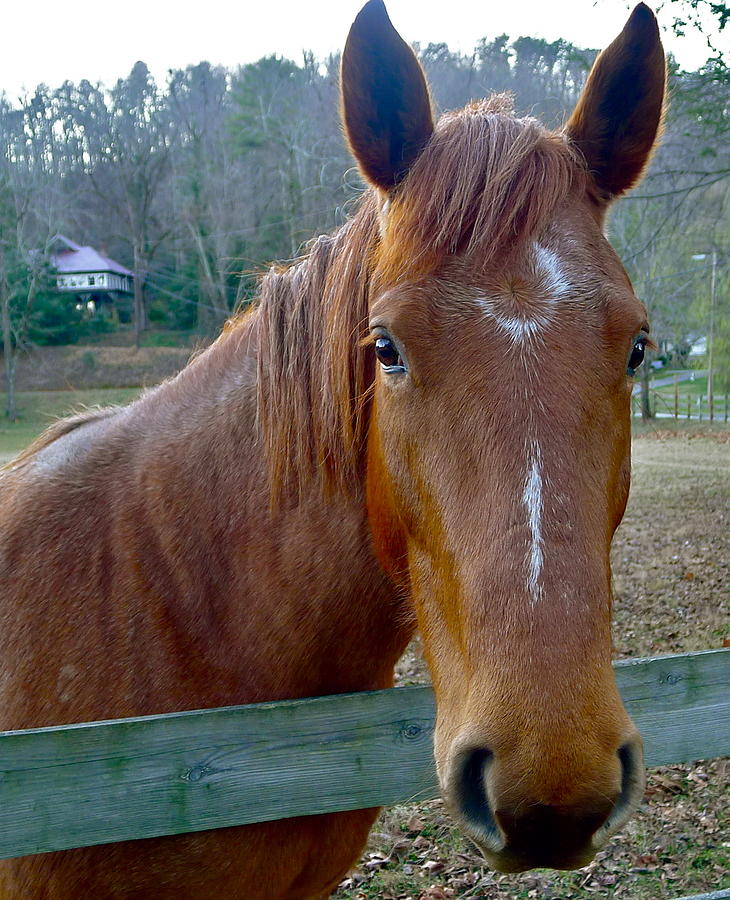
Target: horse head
506, 332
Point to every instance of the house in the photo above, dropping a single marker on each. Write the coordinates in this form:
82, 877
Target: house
92, 277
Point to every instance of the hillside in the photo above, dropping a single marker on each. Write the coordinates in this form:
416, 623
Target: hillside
76, 367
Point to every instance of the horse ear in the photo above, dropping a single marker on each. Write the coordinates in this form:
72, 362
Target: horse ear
619, 114
386, 107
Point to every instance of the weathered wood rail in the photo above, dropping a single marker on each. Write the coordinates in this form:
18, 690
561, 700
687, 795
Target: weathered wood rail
78, 785
715, 895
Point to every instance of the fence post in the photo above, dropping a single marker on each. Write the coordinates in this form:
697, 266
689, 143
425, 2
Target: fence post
676, 397
699, 404
689, 406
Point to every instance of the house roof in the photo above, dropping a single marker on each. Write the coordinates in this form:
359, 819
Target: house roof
72, 257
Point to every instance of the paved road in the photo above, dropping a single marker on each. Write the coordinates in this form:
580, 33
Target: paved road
684, 375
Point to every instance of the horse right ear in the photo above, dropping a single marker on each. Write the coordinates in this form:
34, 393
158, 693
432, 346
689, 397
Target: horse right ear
617, 120
386, 107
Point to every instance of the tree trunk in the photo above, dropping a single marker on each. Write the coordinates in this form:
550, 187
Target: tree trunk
139, 316
211, 310
646, 410
11, 410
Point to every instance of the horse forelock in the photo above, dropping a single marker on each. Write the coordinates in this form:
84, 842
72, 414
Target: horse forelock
485, 182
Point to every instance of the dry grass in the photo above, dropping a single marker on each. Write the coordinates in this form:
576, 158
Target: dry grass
94, 367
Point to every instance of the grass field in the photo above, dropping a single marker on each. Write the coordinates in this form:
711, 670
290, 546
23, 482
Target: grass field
37, 409
663, 398
696, 387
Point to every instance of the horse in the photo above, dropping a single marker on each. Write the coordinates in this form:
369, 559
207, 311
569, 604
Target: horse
424, 422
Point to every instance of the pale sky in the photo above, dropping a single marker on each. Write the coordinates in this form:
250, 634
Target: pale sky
51, 41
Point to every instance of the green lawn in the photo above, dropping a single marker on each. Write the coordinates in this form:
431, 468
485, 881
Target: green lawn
693, 388
37, 409
663, 397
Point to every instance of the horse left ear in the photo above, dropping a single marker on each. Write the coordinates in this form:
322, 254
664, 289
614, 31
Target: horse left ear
386, 107
618, 117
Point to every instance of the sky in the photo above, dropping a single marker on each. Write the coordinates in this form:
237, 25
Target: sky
44, 41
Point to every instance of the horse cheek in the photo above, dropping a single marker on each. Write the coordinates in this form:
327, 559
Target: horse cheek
388, 534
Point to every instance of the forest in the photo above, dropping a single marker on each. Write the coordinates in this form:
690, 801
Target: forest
197, 185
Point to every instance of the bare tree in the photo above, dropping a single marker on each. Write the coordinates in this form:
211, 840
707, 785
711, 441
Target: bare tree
27, 216
126, 139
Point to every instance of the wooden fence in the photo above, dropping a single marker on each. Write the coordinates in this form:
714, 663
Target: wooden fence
715, 895
79, 785
699, 407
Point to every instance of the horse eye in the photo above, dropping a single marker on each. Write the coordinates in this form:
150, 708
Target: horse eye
388, 355
637, 355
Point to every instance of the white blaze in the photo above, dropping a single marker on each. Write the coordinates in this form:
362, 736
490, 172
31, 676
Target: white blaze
520, 329
532, 498
550, 269
517, 328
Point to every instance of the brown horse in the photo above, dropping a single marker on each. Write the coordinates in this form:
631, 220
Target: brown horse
424, 422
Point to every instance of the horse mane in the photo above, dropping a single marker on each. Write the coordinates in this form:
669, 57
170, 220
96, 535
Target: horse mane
313, 373
482, 185
484, 182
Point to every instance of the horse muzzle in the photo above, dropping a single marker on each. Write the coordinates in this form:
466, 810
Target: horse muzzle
519, 824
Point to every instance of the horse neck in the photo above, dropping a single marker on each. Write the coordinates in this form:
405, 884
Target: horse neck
303, 585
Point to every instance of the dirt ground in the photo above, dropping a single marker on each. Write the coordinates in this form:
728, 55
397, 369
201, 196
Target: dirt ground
671, 554
671, 560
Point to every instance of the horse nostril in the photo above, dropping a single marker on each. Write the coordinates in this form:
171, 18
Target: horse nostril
633, 779
472, 800
632, 765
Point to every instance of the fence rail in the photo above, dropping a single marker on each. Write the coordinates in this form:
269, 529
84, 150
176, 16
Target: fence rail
79, 785
699, 407
715, 895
